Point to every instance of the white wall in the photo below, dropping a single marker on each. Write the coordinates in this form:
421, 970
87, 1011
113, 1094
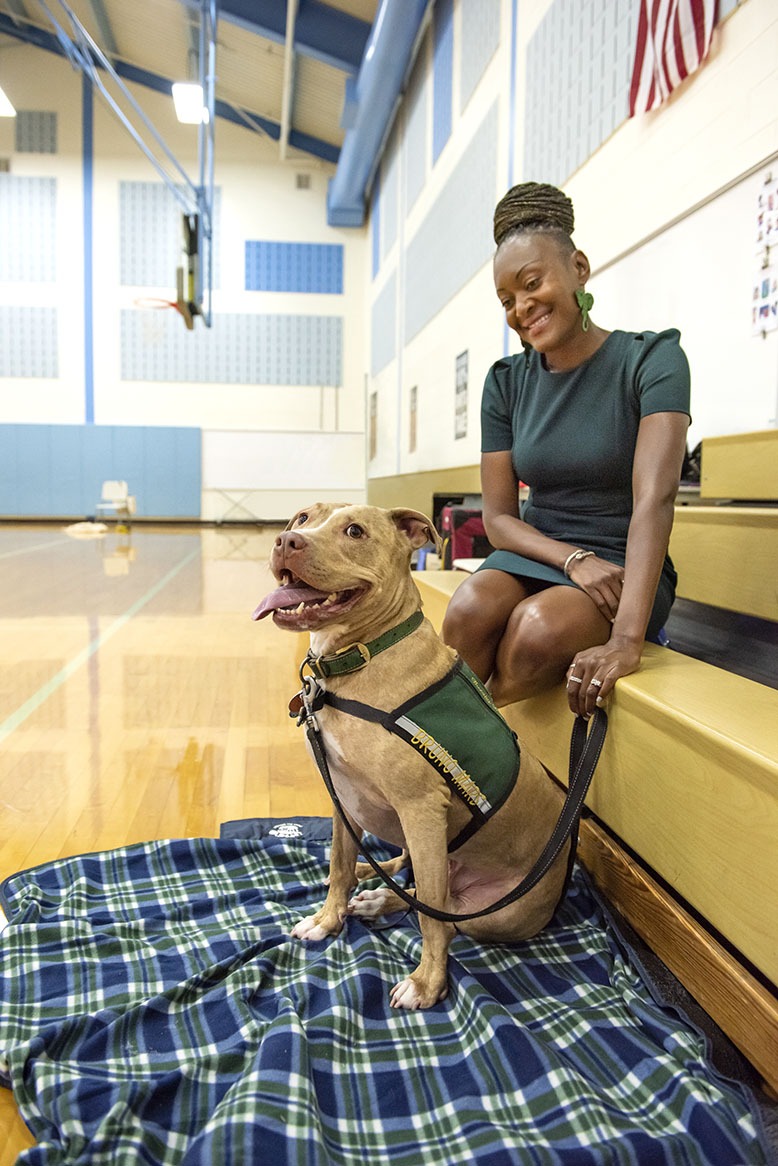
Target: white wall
666, 211
703, 156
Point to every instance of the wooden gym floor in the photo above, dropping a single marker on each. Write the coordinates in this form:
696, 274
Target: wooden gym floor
138, 700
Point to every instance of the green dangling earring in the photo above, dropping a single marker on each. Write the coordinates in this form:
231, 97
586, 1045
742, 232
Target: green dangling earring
585, 301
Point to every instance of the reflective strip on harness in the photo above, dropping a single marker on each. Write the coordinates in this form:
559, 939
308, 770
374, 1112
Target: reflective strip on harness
434, 752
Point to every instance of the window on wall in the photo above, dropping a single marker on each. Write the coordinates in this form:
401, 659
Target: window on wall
413, 404
390, 194
442, 75
373, 432
415, 142
375, 225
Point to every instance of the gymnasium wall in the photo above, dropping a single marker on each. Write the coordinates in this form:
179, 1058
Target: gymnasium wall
666, 209
283, 365
366, 350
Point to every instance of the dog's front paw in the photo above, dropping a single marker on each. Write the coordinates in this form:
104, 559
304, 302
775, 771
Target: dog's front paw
371, 904
410, 994
315, 927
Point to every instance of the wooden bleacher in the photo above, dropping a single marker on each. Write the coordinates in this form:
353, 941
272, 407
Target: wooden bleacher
725, 543
683, 832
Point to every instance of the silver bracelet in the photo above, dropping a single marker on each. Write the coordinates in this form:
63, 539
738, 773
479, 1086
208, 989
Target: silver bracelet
572, 558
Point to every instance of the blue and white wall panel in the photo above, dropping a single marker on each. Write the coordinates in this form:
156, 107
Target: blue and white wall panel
287, 353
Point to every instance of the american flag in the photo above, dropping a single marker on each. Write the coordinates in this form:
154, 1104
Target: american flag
673, 40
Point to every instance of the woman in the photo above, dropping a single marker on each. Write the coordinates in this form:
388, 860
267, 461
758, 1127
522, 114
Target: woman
595, 422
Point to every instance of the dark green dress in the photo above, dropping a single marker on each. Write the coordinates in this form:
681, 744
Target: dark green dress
572, 436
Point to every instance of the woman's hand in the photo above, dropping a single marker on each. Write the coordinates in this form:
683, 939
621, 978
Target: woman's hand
602, 581
594, 671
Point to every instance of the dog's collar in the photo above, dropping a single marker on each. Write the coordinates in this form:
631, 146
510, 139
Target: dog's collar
356, 656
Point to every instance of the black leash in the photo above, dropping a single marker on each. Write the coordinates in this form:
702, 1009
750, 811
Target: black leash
585, 748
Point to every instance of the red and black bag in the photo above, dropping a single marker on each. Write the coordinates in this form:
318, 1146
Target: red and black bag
462, 530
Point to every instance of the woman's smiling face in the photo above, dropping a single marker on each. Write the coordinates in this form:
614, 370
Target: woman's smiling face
536, 279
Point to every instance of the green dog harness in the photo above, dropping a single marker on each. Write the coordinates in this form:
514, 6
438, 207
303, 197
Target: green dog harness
456, 727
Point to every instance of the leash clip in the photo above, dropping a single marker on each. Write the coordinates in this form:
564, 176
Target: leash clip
304, 704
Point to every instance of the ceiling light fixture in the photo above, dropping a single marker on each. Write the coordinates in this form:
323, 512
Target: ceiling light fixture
6, 109
189, 102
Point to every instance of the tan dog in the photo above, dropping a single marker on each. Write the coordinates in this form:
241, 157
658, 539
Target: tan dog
344, 577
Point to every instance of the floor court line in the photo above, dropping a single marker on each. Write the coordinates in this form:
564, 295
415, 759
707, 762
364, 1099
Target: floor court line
29, 550
45, 691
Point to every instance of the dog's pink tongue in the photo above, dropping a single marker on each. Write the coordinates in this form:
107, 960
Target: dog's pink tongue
287, 597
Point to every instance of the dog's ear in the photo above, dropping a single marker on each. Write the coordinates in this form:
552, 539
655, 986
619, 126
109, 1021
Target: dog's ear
416, 526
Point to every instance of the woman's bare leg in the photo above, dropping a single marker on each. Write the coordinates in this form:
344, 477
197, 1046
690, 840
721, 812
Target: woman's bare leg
543, 633
478, 615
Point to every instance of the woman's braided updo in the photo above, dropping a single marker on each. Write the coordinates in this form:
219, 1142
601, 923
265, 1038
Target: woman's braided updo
534, 206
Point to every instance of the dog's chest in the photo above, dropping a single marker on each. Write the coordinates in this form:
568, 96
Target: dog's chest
366, 788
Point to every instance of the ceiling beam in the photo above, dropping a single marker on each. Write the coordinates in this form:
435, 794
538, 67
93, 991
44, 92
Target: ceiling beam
107, 39
321, 32
287, 96
42, 39
17, 10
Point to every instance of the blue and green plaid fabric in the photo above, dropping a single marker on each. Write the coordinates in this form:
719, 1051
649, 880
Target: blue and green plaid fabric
153, 1009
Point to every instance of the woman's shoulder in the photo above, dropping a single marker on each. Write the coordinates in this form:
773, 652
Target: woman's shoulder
649, 354
510, 370
639, 344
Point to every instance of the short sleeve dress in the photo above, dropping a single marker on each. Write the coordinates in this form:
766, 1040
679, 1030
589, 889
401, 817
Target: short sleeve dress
572, 437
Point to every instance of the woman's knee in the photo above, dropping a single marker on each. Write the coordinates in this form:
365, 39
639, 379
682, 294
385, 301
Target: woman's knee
477, 610
533, 641
542, 636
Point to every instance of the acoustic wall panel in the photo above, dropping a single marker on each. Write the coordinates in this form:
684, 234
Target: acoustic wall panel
58, 470
434, 270
28, 341
383, 326
240, 348
35, 132
28, 229
579, 66
294, 267
151, 235
480, 38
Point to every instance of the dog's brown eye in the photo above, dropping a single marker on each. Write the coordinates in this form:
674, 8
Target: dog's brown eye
355, 530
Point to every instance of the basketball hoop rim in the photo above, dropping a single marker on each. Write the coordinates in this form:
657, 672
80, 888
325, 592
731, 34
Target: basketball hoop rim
154, 302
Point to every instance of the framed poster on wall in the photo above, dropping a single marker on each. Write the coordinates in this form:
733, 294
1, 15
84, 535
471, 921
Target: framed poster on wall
460, 396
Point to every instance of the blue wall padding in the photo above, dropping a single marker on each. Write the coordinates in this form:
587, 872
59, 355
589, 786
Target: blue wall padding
294, 267
57, 471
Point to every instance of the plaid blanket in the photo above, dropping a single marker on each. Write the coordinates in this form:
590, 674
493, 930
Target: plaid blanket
153, 1009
